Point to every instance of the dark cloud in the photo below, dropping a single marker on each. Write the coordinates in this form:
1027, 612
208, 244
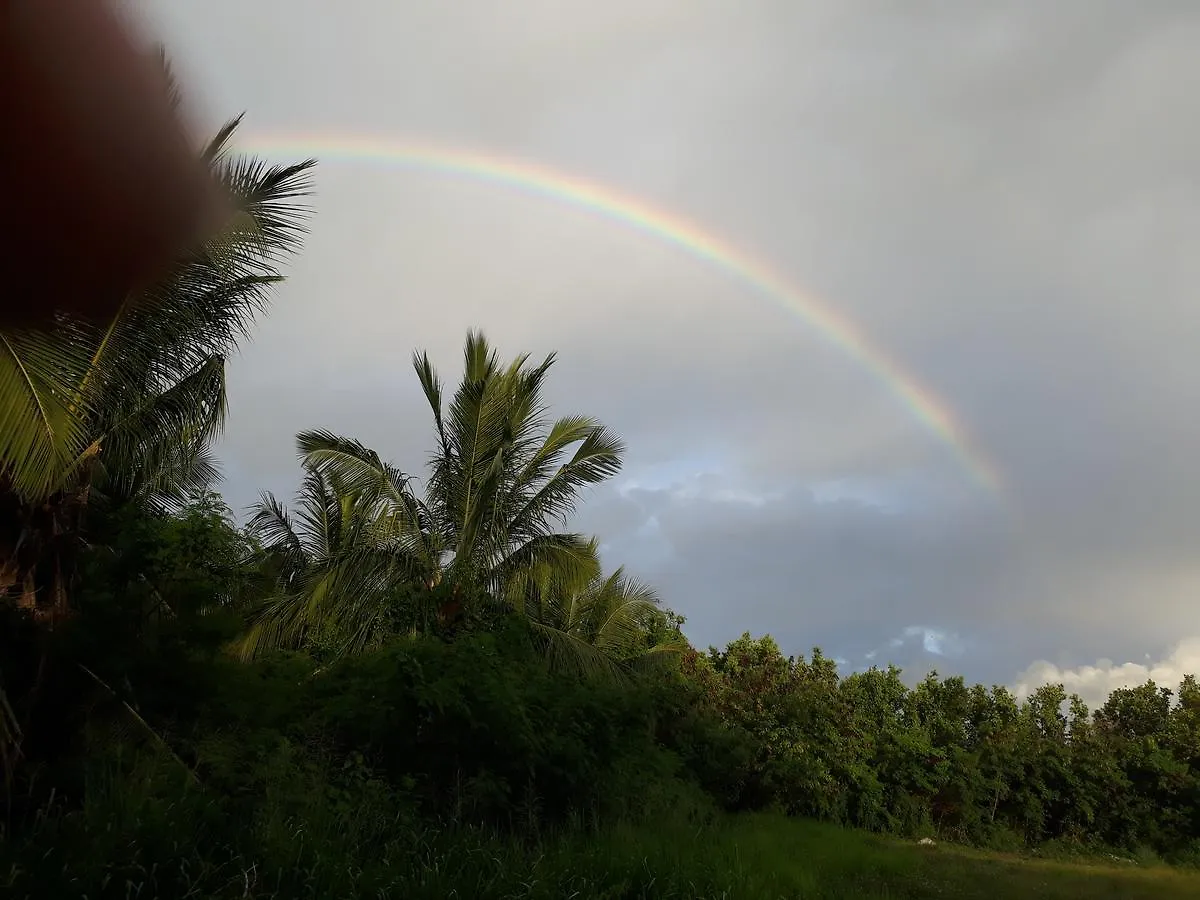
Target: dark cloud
847, 570
1004, 198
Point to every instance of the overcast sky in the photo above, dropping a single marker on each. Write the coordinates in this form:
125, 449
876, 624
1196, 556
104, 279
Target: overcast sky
1004, 197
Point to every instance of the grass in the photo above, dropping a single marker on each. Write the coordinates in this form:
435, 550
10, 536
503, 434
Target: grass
140, 836
770, 858
753, 857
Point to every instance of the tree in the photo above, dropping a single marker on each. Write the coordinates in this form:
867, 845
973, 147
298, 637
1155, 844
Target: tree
339, 565
125, 409
602, 624
502, 480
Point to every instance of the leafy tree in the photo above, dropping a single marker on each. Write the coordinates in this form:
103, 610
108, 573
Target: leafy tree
125, 409
153, 605
105, 413
502, 479
343, 578
604, 623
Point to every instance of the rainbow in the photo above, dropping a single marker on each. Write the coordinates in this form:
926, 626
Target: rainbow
833, 327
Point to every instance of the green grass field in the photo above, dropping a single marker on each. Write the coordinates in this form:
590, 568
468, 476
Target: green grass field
149, 851
761, 857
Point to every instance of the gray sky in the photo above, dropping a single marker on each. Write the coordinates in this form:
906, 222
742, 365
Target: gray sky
1001, 196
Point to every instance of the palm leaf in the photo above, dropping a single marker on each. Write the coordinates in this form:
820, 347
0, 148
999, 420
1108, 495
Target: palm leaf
159, 444
356, 466
621, 611
568, 653
612, 616
597, 458
338, 565
40, 434
343, 598
558, 558
431, 385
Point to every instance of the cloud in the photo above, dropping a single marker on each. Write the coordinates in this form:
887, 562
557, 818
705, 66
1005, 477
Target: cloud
846, 573
934, 641
1093, 683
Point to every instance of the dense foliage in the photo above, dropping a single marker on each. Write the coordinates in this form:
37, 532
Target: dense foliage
475, 728
356, 694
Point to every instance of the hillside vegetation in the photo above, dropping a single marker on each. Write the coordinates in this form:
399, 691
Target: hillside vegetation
430, 687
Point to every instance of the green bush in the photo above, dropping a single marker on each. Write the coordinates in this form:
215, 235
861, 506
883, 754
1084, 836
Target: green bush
489, 734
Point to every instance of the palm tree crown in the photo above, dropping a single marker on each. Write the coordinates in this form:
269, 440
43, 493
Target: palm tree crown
127, 408
503, 479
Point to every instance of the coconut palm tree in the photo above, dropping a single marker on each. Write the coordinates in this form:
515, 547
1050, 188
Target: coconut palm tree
502, 477
126, 408
347, 579
343, 578
606, 623
502, 480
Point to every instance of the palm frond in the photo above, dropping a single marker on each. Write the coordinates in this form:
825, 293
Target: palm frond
171, 474
344, 599
597, 458
560, 558
568, 653
612, 615
159, 442
338, 566
621, 611
356, 466
174, 95
271, 525
388, 507
40, 432
431, 385
186, 473
217, 148
268, 195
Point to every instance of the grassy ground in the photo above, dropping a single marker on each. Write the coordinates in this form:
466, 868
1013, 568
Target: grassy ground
763, 857
769, 858
126, 846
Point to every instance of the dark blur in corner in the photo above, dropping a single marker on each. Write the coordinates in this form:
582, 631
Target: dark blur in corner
100, 188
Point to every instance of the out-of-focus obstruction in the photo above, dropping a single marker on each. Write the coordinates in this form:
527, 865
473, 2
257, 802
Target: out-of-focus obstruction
100, 188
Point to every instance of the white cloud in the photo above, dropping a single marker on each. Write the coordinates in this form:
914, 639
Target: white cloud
1095, 682
935, 641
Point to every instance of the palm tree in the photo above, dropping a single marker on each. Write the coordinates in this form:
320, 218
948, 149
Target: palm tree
502, 480
126, 409
607, 623
341, 575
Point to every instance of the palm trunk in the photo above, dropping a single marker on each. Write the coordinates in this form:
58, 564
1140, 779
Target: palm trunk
450, 611
38, 545
10, 749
